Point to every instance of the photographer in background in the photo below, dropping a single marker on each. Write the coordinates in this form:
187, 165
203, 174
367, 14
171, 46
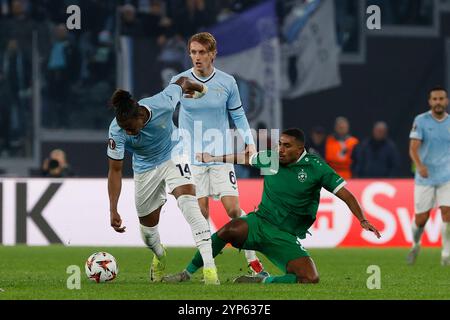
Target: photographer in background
56, 165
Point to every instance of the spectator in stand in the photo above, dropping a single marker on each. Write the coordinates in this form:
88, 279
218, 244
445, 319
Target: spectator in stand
5, 112
225, 11
62, 73
131, 25
20, 26
17, 74
192, 17
339, 147
101, 62
316, 145
157, 23
56, 165
242, 5
377, 156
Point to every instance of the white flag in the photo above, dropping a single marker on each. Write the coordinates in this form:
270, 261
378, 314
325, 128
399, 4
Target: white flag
248, 49
310, 56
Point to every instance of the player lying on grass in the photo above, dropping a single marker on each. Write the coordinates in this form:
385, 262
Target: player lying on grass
145, 128
287, 210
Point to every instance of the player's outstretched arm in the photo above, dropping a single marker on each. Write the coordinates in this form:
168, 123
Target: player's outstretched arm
114, 188
237, 158
355, 208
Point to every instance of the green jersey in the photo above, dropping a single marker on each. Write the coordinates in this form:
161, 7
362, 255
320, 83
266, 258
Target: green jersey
291, 196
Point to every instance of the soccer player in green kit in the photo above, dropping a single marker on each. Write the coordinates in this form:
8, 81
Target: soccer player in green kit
287, 210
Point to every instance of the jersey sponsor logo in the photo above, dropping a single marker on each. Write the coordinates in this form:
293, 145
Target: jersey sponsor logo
111, 144
302, 176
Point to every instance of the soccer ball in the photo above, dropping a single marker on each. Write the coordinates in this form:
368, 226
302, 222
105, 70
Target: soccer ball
101, 267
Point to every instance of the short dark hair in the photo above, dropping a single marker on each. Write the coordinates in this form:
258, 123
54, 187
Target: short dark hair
437, 88
298, 134
319, 130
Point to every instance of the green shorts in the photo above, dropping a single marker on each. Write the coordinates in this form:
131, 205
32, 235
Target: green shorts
278, 246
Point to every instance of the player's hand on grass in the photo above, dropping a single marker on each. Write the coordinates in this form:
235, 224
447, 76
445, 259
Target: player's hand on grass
204, 157
366, 225
423, 171
116, 222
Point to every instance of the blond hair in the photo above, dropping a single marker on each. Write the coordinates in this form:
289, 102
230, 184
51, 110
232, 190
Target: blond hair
204, 38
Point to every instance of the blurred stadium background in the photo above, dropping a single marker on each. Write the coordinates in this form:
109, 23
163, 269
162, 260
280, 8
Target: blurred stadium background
314, 61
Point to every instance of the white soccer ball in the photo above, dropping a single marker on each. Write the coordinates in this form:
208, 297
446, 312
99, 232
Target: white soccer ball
101, 267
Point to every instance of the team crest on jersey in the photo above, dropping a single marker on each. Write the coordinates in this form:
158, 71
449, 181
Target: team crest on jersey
111, 144
218, 91
302, 176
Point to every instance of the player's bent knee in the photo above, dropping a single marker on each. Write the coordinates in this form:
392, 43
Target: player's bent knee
227, 233
421, 219
233, 232
151, 219
234, 213
187, 189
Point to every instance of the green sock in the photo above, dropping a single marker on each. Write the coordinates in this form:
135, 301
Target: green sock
287, 278
197, 262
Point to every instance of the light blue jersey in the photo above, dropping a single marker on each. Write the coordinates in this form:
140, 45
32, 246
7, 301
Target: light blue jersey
435, 149
155, 142
204, 124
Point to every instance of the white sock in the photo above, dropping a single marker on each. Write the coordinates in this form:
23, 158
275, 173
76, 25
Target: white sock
417, 234
445, 240
151, 238
199, 226
249, 254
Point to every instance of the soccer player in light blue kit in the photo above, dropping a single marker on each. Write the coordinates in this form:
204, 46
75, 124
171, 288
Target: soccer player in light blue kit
430, 151
146, 129
204, 126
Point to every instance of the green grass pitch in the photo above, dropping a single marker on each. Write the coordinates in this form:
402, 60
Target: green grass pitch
40, 273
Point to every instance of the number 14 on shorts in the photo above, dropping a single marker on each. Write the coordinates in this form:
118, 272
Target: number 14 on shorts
184, 170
